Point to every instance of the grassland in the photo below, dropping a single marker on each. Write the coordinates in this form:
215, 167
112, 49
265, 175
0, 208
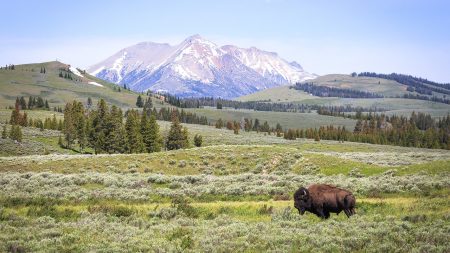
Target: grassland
225, 198
286, 119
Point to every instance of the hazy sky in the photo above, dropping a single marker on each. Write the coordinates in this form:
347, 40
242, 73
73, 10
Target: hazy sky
409, 36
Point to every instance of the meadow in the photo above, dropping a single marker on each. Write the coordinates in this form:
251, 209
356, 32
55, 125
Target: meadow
225, 198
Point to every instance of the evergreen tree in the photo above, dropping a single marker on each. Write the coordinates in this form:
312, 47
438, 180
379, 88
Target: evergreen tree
150, 133
4, 132
148, 104
135, 143
139, 102
30, 103
219, 123
198, 140
15, 133
40, 102
16, 116
177, 136
70, 130
60, 142
23, 103
89, 102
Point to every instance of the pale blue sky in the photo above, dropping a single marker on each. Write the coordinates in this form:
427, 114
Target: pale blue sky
411, 37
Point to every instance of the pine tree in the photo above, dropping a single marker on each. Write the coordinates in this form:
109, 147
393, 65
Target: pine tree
177, 137
198, 140
16, 116
30, 103
23, 103
219, 123
150, 133
16, 133
135, 143
69, 125
60, 142
139, 102
4, 132
148, 104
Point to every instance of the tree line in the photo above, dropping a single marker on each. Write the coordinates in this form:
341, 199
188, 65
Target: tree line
325, 91
33, 103
265, 105
419, 130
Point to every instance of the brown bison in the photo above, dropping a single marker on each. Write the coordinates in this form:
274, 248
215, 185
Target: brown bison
323, 199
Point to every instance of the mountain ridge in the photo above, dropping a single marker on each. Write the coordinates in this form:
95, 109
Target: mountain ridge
198, 67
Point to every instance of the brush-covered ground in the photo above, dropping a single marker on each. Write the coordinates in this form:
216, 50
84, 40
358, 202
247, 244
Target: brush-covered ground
233, 195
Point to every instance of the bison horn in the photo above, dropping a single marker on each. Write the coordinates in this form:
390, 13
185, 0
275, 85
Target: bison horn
305, 192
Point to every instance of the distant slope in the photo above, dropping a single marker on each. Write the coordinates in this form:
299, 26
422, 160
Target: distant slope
380, 86
277, 95
388, 88
26, 80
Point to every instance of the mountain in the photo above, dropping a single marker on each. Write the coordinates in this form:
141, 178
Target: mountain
198, 67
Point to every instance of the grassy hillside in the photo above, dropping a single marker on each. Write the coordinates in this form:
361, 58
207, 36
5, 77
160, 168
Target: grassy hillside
26, 80
399, 106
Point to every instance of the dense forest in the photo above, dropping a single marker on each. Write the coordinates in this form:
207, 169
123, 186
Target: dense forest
108, 130
325, 91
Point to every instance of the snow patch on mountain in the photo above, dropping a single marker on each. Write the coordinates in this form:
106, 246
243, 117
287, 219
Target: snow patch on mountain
96, 84
198, 67
75, 71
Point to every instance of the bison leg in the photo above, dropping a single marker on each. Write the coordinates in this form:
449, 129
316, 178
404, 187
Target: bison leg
321, 213
327, 214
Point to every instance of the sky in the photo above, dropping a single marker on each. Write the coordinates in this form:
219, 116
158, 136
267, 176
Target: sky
385, 36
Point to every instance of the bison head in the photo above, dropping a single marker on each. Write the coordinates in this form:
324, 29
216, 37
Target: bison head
302, 200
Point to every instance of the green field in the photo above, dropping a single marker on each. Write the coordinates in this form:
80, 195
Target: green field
225, 198
286, 119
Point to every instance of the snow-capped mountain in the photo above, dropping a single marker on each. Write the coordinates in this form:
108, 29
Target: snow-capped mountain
198, 67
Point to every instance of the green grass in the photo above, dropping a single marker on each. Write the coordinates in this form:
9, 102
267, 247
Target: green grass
286, 119
388, 88
24, 82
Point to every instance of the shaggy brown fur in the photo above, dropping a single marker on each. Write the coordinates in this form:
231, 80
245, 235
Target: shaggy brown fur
323, 199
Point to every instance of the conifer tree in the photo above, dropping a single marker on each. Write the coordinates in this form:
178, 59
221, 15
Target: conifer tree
30, 103
16, 116
139, 102
4, 132
177, 137
135, 143
23, 103
198, 140
148, 104
150, 133
69, 125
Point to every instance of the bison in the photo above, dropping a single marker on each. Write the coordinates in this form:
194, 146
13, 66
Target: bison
323, 199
